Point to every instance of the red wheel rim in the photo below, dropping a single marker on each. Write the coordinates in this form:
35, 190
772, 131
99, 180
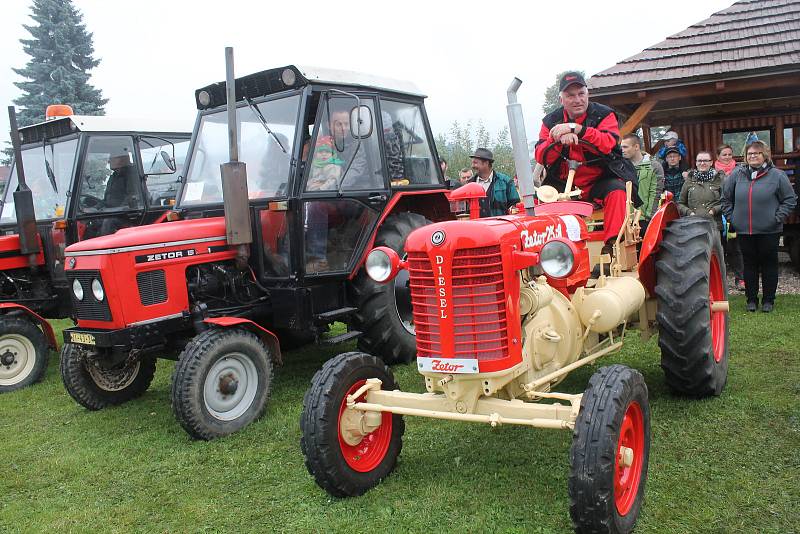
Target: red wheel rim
368, 454
626, 478
716, 292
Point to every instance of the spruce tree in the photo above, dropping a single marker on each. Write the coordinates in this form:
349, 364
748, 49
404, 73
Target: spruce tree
61, 53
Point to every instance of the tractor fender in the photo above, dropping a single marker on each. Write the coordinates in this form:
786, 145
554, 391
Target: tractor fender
433, 204
269, 339
5, 307
652, 242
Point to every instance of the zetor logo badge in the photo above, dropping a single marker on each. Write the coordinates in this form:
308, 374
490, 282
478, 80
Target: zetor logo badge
535, 239
447, 365
170, 255
438, 237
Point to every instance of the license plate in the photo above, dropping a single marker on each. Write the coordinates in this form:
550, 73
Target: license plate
448, 365
81, 338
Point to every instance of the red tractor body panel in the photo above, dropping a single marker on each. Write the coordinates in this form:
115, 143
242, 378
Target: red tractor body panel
38, 319
10, 257
651, 243
474, 289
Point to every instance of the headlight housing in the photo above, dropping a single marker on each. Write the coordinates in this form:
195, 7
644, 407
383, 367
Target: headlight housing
97, 290
383, 264
557, 258
77, 289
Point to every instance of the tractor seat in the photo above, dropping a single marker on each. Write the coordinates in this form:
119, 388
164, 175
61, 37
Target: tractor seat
566, 207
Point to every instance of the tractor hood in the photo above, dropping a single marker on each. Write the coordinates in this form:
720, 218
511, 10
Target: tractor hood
155, 234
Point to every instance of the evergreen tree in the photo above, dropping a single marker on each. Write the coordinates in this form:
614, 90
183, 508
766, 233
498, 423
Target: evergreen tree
551, 100
61, 53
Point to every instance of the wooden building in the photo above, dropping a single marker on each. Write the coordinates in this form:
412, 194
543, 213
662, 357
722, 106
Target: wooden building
736, 72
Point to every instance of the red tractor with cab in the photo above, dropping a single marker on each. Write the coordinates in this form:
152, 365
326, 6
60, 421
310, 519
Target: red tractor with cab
504, 308
82, 177
263, 251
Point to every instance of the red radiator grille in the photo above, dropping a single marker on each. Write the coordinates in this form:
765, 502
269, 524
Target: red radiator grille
478, 304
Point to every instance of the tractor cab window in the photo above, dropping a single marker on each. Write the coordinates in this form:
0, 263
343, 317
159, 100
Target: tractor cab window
408, 147
339, 160
266, 134
109, 178
162, 168
333, 229
48, 172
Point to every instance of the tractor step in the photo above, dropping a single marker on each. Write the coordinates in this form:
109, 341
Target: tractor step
341, 338
332, 315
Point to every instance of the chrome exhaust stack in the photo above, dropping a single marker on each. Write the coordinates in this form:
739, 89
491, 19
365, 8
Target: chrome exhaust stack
519, 145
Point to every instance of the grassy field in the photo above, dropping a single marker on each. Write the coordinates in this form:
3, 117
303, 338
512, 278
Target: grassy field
728, 464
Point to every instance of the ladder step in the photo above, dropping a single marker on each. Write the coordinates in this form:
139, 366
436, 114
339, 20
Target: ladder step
341, 338
335, 314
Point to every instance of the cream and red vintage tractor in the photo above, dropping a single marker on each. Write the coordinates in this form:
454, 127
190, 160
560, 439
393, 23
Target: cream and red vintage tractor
505, 307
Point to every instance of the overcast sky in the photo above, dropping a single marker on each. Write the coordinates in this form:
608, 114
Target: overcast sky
155, 53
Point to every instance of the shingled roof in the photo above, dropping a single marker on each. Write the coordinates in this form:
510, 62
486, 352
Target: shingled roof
750, 37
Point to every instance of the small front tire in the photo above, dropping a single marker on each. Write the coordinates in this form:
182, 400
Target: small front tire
221, 383
610, 452
96, 387
23, 353
339, 466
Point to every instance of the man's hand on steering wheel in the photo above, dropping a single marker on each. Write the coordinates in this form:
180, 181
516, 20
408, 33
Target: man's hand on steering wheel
569, 139
559, 130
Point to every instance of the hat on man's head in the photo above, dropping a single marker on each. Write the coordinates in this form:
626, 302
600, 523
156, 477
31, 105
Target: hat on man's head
483, 153
672, 149
570, 78
670, 135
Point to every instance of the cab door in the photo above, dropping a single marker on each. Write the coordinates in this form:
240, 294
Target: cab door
162, 160
345, 186
109, 195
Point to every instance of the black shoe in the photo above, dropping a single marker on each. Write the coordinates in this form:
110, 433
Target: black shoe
767, 307
752, 306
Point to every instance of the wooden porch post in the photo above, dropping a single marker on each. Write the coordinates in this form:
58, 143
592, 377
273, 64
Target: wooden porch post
633, 121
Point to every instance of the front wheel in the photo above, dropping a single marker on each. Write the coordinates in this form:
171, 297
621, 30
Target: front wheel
95, 385
221, 383
23, 353
384, 310
344, 461
693, 336
610, 452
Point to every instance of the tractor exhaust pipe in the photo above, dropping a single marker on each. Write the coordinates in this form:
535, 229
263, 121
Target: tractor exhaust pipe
519, 144
235, 199
23, 199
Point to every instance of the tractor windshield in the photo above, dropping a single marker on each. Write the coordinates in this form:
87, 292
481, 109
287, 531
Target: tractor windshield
267, 155
48, 173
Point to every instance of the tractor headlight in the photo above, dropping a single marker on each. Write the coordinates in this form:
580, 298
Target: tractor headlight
97, 290
383, 264
557, 258
77, 289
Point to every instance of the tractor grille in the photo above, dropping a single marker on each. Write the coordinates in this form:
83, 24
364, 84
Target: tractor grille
478, 308
152, 287
89, 308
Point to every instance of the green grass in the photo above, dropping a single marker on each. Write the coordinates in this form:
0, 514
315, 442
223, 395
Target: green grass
728, 464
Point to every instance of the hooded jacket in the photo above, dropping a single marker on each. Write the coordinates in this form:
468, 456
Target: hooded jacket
651, 184
757, 202
700, 198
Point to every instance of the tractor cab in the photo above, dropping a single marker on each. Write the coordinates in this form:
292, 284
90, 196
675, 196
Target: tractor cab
325, 151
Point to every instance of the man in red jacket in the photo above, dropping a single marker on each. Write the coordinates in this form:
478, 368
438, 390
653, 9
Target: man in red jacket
588, 133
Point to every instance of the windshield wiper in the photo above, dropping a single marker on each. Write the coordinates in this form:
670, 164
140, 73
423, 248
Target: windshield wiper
50, 174
263, 122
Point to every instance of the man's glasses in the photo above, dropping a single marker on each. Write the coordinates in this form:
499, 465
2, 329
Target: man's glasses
703, 161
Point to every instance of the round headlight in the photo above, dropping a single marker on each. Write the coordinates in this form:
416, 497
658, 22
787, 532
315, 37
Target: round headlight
97, 290
557, 259
77, 289
288, 77
204, 98
379, 265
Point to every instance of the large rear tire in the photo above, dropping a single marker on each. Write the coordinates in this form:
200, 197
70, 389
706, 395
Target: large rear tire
96, 387
341, 467
610, 452
221, 382
23, 353
384, 310
690, 272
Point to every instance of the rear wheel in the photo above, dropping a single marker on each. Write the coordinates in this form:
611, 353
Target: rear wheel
693, 337
23, 353
384, 310
221, 383
610, 452
95, 386
347, 463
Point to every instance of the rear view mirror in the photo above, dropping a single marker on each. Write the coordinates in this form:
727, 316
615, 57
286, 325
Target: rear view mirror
361, 122
168, 161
